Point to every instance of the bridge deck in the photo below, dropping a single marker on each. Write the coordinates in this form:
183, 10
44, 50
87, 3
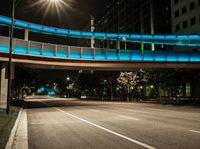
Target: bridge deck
37, 54
30, 48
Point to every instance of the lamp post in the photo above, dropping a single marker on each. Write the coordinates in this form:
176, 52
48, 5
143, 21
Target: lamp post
54, 2
10, 58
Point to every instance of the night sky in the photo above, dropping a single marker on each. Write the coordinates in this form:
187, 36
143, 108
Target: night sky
76, 16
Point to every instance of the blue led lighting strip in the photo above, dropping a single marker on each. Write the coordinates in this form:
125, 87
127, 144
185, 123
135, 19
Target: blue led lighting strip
113, 55
177, 40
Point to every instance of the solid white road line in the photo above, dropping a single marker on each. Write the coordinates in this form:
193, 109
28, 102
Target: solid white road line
103, 128
194, 131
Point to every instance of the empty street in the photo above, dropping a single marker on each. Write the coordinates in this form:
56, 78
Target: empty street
72, 124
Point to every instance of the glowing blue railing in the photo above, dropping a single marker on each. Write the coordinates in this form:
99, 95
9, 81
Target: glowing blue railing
31, 48
178, 40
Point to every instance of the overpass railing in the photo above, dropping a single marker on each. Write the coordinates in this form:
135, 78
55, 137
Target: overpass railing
32, 48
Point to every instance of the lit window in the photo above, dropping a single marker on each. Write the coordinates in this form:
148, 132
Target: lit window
192, 6
185, 24
193, 21
188, 89
184, 10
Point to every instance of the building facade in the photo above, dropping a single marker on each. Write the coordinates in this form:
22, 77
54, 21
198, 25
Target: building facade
136, 17
185, 19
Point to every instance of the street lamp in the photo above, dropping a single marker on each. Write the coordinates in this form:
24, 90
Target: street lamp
10, 58
56, 3
68, 78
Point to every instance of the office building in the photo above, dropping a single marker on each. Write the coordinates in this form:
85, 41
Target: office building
136, 17
185, 19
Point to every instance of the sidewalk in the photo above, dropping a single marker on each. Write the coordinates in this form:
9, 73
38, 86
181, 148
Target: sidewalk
20, 139
7, 123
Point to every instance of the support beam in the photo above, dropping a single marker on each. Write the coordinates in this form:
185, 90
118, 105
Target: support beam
118, 44
3, 86
26, 34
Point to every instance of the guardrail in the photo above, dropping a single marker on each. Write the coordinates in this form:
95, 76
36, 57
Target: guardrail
33, 48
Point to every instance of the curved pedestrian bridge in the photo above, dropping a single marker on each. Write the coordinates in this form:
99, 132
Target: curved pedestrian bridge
192, 40
31, 52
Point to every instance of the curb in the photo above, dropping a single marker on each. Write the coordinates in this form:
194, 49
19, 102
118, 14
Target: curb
10, 142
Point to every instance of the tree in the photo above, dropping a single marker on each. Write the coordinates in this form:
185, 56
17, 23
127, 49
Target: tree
168, 82
129, 81
23, 79
70, 88
143, 78
108, 83
86, 82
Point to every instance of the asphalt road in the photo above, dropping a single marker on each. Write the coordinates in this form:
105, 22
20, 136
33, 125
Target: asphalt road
73, 124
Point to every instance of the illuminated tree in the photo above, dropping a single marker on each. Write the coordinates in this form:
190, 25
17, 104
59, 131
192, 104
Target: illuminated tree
129, 81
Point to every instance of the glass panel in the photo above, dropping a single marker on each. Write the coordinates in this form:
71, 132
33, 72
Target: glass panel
88, 53
136, 55
125, 55
75, 53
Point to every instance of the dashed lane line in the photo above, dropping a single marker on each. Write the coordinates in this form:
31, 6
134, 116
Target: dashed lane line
103, 128
195, 131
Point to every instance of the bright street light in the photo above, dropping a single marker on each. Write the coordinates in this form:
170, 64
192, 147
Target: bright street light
68, 78
151, 86
52, 6
45, 5
54, 1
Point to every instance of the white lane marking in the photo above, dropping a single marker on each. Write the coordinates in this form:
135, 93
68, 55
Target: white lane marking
103, 128
137, 111
128, 117
93, 110
194, 131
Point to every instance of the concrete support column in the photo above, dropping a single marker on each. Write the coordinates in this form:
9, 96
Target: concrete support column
118, 44
3, 86
26, 34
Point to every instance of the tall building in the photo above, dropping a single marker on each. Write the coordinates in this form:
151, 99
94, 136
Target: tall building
136, 17
185, 19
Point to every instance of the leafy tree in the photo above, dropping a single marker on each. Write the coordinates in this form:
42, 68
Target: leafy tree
128, 80
108, 82
86, 83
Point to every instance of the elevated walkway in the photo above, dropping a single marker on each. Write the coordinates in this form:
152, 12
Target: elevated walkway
50, 55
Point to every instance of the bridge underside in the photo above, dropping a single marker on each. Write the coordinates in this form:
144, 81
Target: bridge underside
49, 63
